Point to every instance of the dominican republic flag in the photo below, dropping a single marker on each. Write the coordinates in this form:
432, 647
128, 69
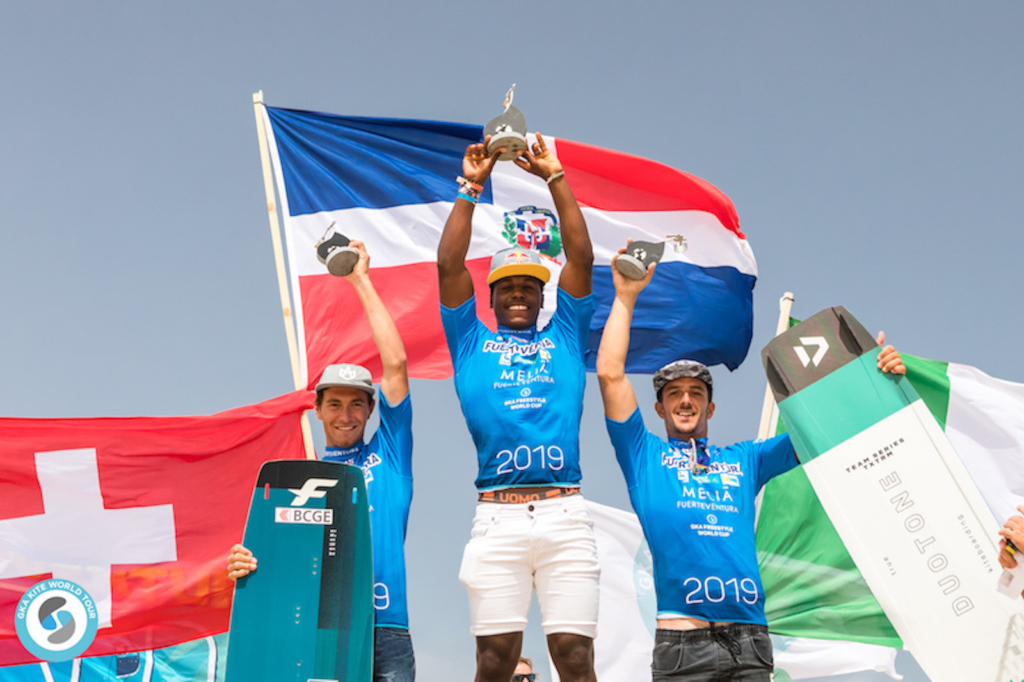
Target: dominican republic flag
141, 512
391, 184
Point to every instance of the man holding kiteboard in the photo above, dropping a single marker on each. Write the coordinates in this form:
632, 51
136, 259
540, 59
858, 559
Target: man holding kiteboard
696, 504
344, 402
521, 390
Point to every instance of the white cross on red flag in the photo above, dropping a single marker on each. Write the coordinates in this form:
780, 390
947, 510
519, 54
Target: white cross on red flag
141, 512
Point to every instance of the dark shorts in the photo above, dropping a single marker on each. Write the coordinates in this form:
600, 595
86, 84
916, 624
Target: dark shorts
393, 660
740, 651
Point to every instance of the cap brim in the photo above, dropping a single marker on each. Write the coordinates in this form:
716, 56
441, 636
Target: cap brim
330, 384
530, 269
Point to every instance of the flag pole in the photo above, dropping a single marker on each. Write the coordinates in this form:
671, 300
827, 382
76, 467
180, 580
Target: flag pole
770, 411
282, 278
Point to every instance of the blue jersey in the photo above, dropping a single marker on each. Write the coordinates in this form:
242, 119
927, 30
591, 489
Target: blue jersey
386, 462
522, 393
697, 512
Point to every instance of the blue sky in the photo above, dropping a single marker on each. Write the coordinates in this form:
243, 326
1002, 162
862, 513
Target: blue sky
873, 151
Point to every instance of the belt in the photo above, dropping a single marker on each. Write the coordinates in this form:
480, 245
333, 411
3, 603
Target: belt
520, 495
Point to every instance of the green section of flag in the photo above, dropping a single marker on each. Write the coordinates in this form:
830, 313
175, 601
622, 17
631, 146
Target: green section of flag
931, 382
812, 586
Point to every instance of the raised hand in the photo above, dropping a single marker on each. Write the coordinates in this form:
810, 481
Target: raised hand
540, 160
362, 266
477, 164
889, 360
624, 285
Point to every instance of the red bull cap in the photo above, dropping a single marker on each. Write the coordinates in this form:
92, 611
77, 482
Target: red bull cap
517, 261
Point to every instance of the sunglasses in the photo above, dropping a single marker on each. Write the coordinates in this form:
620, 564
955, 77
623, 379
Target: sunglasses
524, 677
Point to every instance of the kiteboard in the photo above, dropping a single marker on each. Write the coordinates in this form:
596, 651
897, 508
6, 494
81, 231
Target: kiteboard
908, 512
306, 613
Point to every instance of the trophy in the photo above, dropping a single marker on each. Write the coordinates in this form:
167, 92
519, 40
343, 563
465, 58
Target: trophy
633, 264
507, 130
336, 254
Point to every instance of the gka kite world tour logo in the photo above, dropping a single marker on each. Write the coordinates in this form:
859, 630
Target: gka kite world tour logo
56, 620
535, 229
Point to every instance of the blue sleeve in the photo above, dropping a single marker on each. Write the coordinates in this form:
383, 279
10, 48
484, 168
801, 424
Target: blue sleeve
395, 434
572, 317
776, 456
460, 325
629, 438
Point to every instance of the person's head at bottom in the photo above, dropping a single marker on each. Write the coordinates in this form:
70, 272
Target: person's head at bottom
524, 671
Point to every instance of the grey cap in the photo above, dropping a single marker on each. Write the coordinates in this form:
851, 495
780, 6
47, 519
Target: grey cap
352, 376
682, 369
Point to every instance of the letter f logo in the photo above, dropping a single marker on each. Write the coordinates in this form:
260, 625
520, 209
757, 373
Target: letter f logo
309, 490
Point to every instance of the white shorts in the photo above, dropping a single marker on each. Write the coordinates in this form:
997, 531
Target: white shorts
547, 544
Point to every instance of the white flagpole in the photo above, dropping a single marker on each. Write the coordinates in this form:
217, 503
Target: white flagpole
282, 277
770, 411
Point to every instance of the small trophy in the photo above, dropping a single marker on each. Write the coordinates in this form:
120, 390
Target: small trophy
507, 130
336, 254
633, 264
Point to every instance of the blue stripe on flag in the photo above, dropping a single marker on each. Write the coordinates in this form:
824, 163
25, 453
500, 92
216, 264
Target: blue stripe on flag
334, 162
186, 662
687, 311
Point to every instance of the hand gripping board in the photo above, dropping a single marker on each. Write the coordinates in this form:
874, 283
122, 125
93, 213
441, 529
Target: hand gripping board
306, 613
901, 500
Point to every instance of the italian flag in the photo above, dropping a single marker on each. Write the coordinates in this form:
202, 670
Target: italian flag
814, 591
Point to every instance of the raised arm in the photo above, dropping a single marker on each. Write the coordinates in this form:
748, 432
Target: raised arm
394, 382
616, 391
579, 254
454, 281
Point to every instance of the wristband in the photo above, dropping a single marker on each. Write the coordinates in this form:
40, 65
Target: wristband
554, 176
470, 191
463, 181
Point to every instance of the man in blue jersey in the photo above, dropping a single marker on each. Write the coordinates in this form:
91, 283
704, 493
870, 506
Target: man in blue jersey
344, 402
696, 504
521, 390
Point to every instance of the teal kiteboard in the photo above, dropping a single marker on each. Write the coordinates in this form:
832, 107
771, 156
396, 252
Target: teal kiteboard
306, 613
901, 500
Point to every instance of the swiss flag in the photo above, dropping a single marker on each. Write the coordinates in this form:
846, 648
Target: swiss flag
141, 512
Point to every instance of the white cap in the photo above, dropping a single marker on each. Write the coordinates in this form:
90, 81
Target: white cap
352, 376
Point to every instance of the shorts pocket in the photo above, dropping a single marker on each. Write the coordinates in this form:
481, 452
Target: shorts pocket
668, 658
579, 517
761, 643
482, 525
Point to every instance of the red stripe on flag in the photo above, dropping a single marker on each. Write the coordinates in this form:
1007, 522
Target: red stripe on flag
205, 467
337, 330
613, 181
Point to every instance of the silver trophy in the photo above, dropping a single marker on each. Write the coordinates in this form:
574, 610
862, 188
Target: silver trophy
335, 253
633, 264
507, 130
